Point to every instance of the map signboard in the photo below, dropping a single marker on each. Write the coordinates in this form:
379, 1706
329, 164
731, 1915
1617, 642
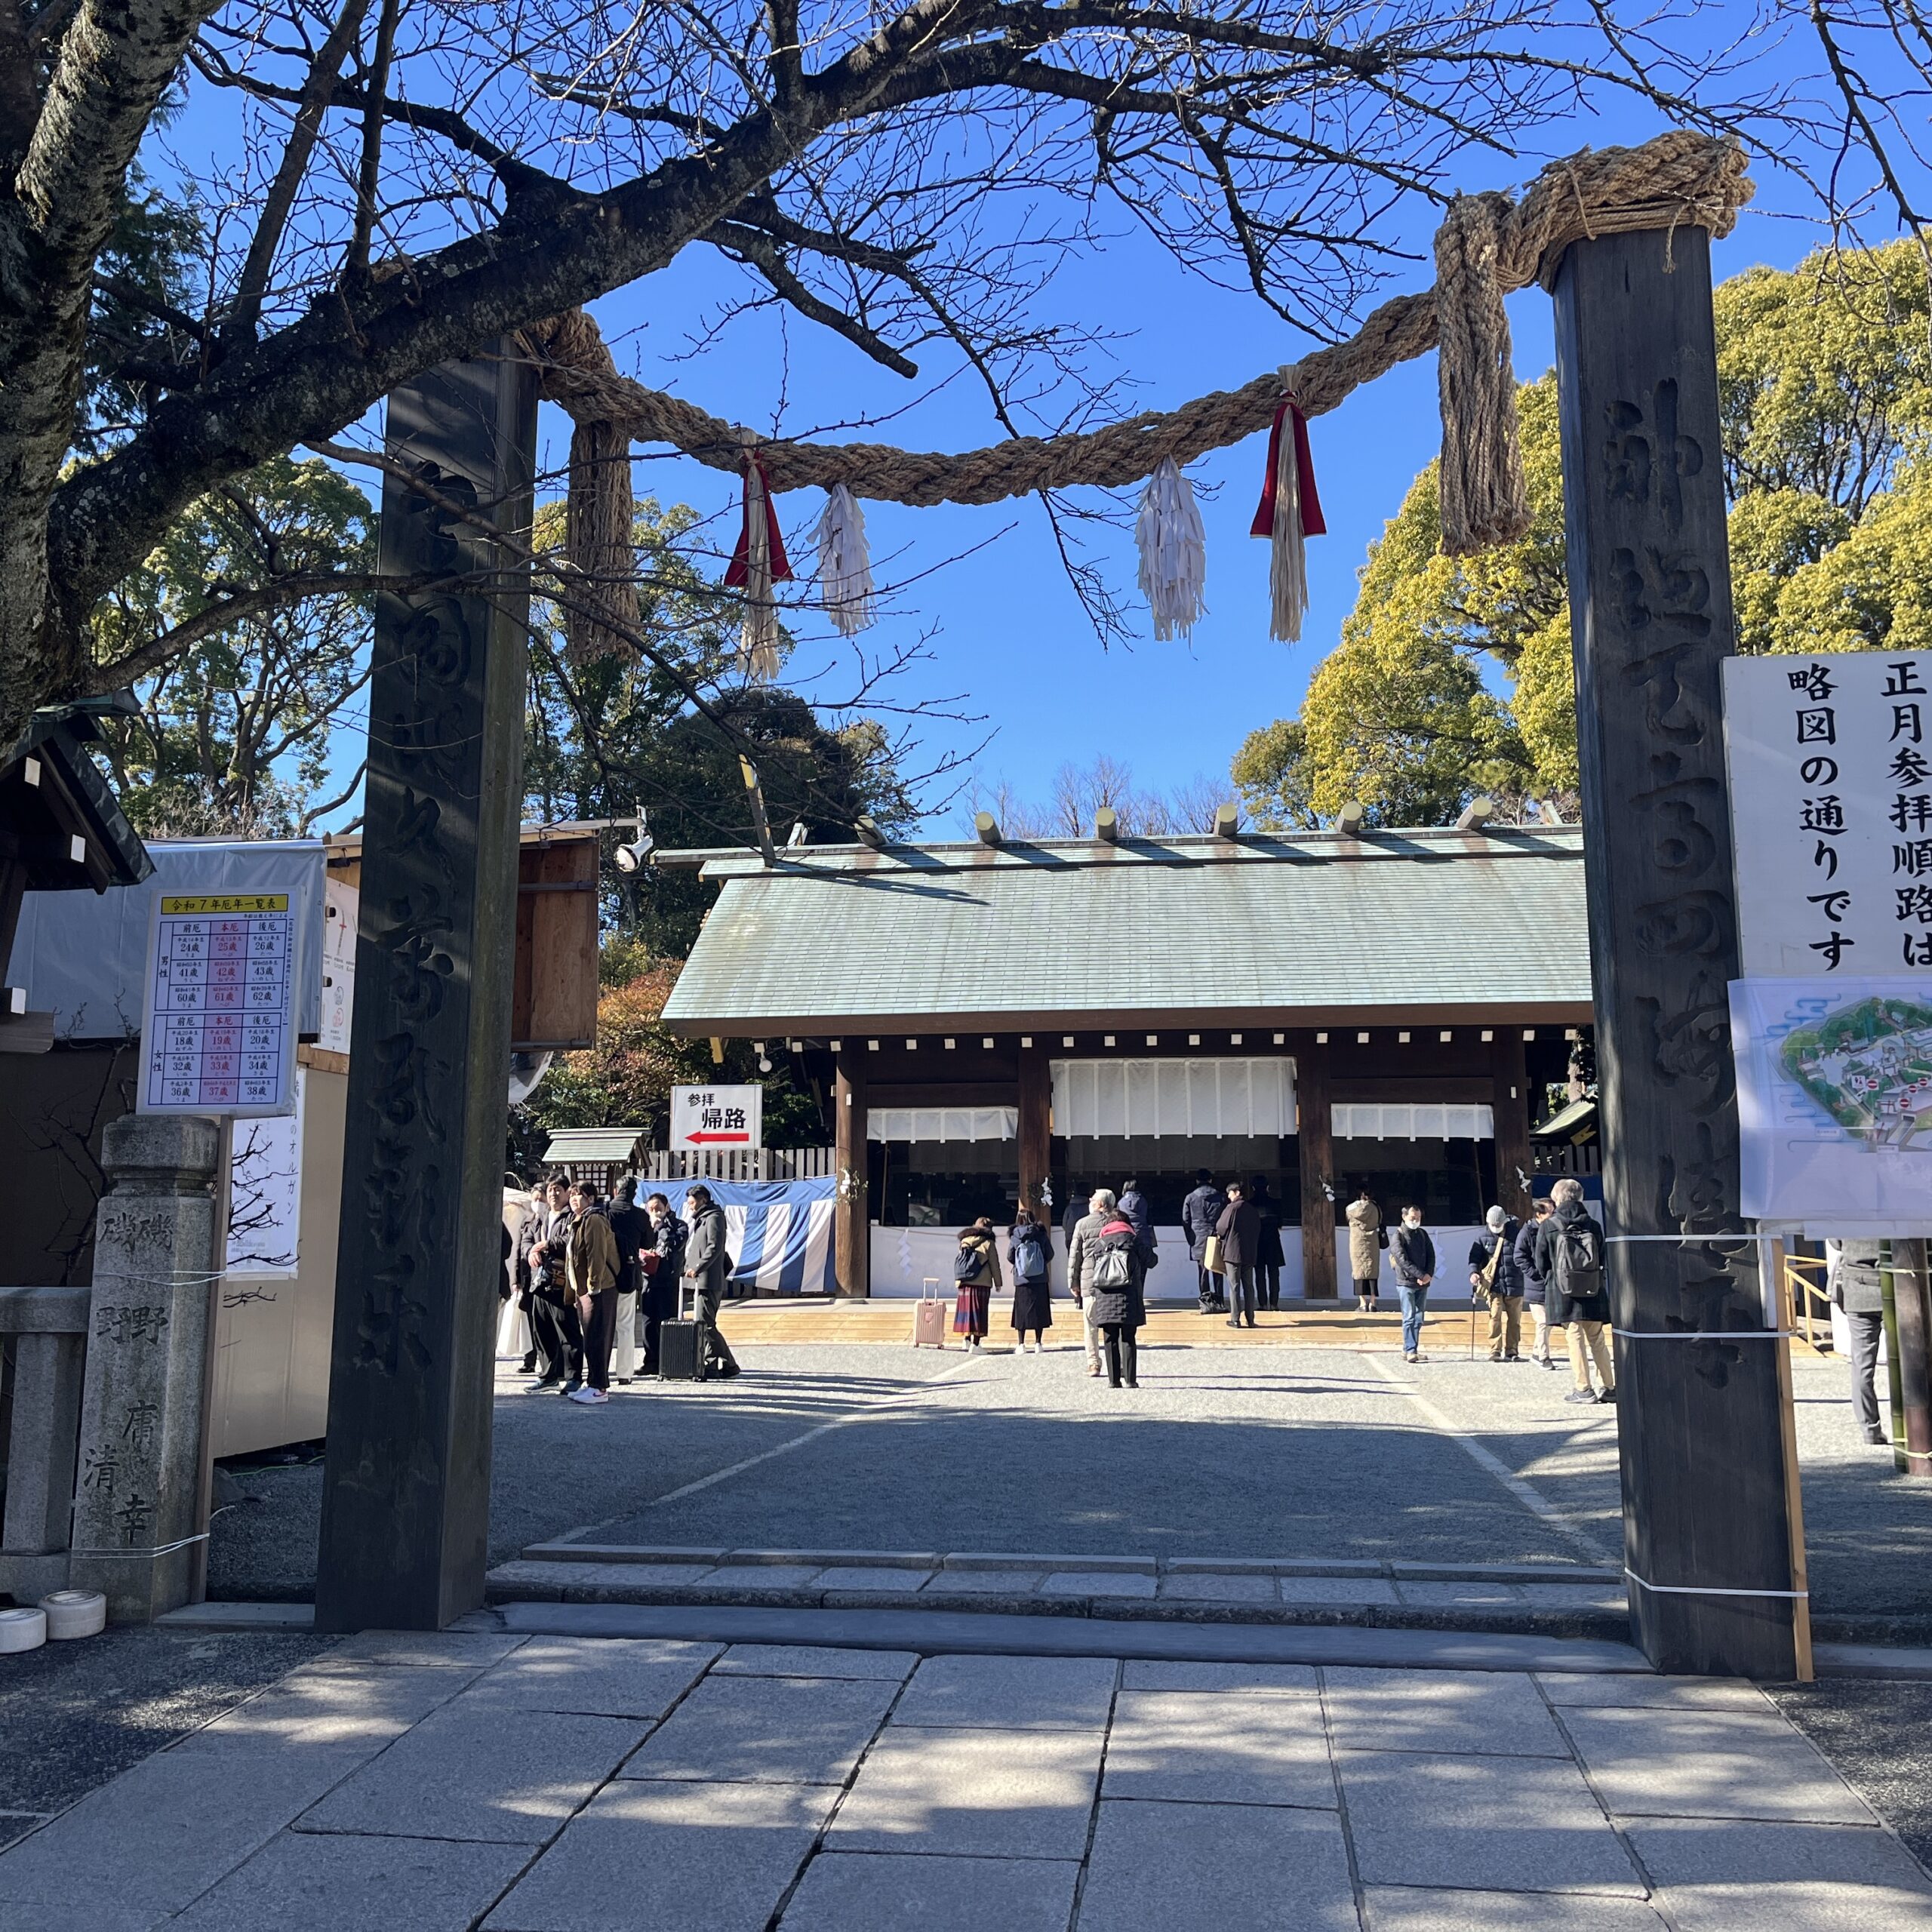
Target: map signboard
218, 1023
717, 1117
1830, 762
1835, 1100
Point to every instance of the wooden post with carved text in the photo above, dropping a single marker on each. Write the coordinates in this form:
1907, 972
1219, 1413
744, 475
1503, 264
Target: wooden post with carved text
1708, 1516
406, 1484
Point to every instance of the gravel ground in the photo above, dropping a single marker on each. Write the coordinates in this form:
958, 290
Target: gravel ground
1878, 1733
1301, 1452
73, 1715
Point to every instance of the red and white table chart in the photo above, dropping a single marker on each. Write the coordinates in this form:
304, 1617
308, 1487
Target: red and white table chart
219, 1027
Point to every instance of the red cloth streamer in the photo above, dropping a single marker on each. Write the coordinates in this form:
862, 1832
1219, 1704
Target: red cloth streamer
781, 568
1312, 522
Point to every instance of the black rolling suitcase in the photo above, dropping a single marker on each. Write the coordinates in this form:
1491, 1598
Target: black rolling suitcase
680, 1347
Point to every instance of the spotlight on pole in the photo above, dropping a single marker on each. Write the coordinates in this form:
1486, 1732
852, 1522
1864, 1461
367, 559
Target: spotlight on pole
634, 857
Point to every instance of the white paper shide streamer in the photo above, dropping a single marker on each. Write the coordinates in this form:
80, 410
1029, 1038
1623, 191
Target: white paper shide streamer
844, 563
1173, 551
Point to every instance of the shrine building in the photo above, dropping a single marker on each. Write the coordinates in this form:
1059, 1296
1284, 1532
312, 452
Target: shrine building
1001, 1021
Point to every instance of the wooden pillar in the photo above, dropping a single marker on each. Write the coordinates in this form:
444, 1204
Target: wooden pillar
1912, 1311
406, 1485
851, 1217
1707, 1513
1317, 1149
1509, 1108
1036, 1115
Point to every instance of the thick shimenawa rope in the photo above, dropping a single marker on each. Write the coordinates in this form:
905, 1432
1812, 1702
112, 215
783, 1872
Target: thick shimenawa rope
1488, 248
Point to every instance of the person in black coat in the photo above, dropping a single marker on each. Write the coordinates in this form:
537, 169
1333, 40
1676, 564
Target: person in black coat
1119, 1309
1530, 1270
1198, 1214
554, 1319
1029, 1247
662, 1266
1271, 1259
1239, 1228
1412, 1255
631, 1226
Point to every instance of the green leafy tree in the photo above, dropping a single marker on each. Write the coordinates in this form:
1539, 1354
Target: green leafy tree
235, 724
1825, 409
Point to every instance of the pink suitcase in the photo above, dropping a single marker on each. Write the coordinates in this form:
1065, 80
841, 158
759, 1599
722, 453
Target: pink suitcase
929, 1318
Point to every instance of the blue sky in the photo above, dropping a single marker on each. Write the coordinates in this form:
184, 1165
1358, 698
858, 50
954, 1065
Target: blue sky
987, 593
1007, 629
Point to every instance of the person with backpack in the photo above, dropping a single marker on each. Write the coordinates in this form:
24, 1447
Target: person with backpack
1412, 1255
1082, 1253
1570, 1250
1530, 1270
975, 1269
1199, 1214
1239, 1228
1029, 1249
1116, 1288
1495, 1278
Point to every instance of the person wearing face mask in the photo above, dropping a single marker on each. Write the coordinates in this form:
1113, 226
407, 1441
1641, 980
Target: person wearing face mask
661, 1264
1412, 1255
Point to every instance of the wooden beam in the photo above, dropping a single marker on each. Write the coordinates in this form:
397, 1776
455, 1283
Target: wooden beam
1913, 1308
1706, 1510
851, 1216
1509, 1108
1317, 1149
1036, 1098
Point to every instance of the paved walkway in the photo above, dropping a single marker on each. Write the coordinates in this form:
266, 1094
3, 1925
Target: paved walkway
547, 1784
1259, 1453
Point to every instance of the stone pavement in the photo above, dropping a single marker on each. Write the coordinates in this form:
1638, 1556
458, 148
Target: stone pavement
548, 1784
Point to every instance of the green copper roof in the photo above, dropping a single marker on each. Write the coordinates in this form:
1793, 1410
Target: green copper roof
1297, 931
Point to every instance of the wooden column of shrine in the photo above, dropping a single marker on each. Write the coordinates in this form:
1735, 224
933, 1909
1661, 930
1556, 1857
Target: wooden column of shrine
851, 1216
1509, 1112
1317, 1149
1709, 1491
1036, 1114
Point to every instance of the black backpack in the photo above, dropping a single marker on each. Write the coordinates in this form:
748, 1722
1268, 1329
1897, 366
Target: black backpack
1576, 1269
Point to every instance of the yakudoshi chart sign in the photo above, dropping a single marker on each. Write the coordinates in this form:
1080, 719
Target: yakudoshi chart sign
218, 1023
717, 1117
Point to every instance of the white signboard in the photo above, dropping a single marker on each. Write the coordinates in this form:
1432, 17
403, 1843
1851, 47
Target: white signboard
717, 1117
1835, 1101
265, 1195
1831, 795
218, 1021
341, 903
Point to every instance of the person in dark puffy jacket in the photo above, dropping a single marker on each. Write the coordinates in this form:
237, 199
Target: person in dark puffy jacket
1198, 1214
1412, 1255
1531, 1269
1119, 1306
1494, 1277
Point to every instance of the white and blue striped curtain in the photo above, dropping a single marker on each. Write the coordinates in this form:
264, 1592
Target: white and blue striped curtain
779, 1231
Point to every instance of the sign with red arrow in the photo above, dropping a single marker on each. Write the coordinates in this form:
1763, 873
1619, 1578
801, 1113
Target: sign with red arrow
717, 1117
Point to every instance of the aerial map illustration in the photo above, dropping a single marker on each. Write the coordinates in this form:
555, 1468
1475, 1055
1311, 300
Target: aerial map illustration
1869, 1067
